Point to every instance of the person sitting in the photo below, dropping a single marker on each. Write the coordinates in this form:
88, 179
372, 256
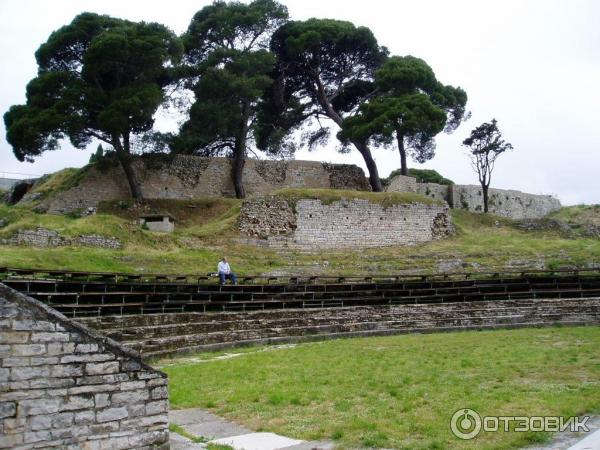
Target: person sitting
225, 272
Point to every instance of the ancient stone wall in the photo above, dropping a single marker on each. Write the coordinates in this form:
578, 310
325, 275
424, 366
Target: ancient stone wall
64, 386
402, 183
435, 191
187, 177
42, 237
507, 203
354, 223
503, 202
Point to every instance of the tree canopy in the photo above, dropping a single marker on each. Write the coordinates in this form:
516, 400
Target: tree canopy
408, 106
98, 78
226, 47
325, 70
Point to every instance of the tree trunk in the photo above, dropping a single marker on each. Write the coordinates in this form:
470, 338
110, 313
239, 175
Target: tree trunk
360, 146
124, 156
402, 150
237, 173
485, 189
374, 180
239, 154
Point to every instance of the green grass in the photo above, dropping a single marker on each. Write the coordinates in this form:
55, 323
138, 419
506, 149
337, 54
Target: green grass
328, 196
400, 391
578, 214
60, 181
206, 230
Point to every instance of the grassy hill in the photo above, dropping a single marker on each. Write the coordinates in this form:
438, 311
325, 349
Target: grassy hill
206, 230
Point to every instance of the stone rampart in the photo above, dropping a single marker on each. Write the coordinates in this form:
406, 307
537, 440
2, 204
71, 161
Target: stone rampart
65, 386
435, 191
508, 203
347, 223
402, 183
186, 177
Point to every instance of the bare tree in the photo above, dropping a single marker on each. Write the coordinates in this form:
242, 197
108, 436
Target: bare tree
485, 145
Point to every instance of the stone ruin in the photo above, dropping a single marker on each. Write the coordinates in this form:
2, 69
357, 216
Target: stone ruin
65, 386
503, 202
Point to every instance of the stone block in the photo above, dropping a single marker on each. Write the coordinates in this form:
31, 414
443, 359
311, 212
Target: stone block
66, 370
75, 402
33, 325
102, 368
111, 414
7, 409
129, 397
14, 337
29, 372
49, 337
157, 407
36, 407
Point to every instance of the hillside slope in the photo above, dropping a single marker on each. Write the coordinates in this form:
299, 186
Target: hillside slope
206, 230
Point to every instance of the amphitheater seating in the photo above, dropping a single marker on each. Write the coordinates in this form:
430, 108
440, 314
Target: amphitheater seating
164, 334
81, 294
160, 314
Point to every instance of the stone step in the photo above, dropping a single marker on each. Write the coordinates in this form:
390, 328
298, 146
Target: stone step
174, 342
160, 322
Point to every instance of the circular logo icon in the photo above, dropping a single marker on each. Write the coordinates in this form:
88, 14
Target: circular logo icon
465, 424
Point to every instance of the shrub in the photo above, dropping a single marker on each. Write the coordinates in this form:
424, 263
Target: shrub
422, 176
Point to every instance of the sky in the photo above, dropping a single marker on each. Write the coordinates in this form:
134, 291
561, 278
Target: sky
534, 65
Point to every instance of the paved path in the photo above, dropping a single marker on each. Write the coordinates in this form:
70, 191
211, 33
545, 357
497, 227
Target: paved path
575, 441
214, 429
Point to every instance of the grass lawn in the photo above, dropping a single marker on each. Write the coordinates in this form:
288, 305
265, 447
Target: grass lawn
399, 391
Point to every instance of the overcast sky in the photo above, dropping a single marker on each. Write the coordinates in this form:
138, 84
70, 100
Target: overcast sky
533, 65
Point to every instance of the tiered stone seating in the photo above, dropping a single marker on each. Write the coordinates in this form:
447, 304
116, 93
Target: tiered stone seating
160, 314
155, 335
80, 298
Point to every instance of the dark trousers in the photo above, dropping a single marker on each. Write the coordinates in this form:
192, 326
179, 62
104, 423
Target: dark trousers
228, 276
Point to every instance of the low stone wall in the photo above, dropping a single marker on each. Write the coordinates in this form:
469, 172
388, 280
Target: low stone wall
186, 177
348, 223
42, 237
64, 386
503, 202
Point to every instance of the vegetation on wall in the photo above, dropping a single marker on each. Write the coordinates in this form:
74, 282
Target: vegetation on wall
422, 176
328, 196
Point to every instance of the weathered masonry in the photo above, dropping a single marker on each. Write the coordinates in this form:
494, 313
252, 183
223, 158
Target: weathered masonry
347, 223
186, 177
210, 331
65, 386
504, 202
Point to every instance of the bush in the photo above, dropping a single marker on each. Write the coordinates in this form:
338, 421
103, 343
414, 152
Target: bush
422, 176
